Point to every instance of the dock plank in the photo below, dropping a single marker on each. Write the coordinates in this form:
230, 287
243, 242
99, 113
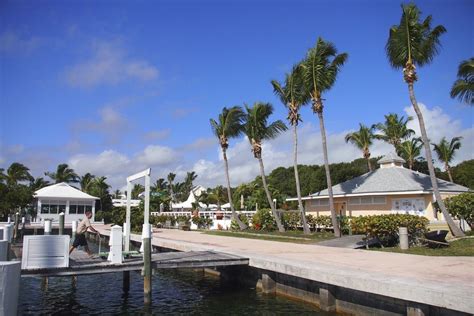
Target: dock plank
82, 264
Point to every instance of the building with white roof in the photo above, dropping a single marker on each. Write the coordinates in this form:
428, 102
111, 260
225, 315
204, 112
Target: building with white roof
63, 198
390, 189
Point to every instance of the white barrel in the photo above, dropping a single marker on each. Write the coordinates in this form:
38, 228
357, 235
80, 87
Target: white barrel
47, 226
403, 233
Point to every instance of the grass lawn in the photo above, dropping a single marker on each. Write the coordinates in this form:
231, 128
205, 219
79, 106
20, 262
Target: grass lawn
288, 236
462, 247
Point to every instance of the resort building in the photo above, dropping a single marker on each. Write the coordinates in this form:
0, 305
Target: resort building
390, 189
63, 198
190, 201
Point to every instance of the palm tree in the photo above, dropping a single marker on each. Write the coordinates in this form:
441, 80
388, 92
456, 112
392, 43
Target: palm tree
171, 176
17, 172
321, 67
362, 139
394, 129
136, 190
100, 188
86, 181
293, 96
257, 129
228, 125
117, 194
463, 88
410, 150
446, 151
63, 174
415, 43
38, 183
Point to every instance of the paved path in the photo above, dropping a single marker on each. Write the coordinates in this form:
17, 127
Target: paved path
351, 242
440, 281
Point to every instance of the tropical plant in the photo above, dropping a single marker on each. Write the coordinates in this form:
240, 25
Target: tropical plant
136, 190
292, 95
394, 129
63, 174
415, 43
257, 128
410, 150
117, 194
100, 188
16, 173
85, 181
228, 125
38, 183
462, 206
171, 176
463, 88
263, 220
321, 66
446, 151
362, 139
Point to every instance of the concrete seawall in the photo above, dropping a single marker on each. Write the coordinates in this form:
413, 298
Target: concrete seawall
342, 280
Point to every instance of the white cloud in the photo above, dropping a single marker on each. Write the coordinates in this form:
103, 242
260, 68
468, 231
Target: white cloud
11, 42
109, 65
155, 155
157, 135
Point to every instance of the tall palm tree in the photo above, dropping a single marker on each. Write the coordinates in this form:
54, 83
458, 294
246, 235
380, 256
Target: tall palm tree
136, 190
394, 130
63, 174
117, 194
38, 183
257, 128
17, 172
100, 188
171, 176
410, 150
86, 181
292, 95
415, 43
228, 125
362, 139
321, 66
463, 88
446, 151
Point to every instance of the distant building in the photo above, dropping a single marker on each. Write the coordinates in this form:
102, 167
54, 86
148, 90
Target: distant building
389, 189
63, 198
188, 204
123, 202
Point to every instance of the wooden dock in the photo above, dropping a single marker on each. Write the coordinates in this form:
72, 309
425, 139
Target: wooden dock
81, 264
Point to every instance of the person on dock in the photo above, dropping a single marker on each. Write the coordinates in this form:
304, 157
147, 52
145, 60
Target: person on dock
80, 239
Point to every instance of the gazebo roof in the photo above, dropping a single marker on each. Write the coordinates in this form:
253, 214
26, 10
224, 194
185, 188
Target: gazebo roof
64, 191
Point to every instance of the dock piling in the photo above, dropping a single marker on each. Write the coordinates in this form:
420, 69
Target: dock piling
61, 223
17, 222
147, 263
126, 281
47, 226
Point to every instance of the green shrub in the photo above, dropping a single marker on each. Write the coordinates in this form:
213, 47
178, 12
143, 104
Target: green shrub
263, 220
243, 218
202, 222
321, 221
162, 219
385, 227
291, 220
462, 205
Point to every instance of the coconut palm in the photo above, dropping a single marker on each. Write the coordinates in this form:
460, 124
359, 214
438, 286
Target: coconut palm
86, 181
117, 194
362, 139
17, 172
38, 183
394, 129
463, 88
321, 66
98, 187
410, 150
63, 174
415, 43
293, 96
228, 125
446, 151
257, 128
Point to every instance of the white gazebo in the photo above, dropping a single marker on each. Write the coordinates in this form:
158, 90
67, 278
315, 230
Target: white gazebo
63, 198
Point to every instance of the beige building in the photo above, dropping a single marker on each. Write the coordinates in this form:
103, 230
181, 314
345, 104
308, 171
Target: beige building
390, 189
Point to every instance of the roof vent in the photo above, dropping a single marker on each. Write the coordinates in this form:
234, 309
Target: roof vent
391, 160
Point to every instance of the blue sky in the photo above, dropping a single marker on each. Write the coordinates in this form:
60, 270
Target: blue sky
114, 86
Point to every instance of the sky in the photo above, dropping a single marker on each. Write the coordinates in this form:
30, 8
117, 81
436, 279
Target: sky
114, 87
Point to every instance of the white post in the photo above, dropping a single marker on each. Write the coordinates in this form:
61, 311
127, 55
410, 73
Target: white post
4, 250
127, 218
23, 220
8, 232
403, 233
74, 227
9, 287
146, 218
115, 243
47, 226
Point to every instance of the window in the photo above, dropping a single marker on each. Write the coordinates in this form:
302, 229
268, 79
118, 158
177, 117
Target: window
367, 200
321, 202
409, 206
53, 207
79, 207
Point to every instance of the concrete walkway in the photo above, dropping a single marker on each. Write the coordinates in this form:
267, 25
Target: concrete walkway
446, 282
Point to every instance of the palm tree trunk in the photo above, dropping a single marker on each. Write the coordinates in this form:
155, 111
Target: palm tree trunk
449, 173
335, 224
306, 229
369, 165
281, 229
456, 231
229, 196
